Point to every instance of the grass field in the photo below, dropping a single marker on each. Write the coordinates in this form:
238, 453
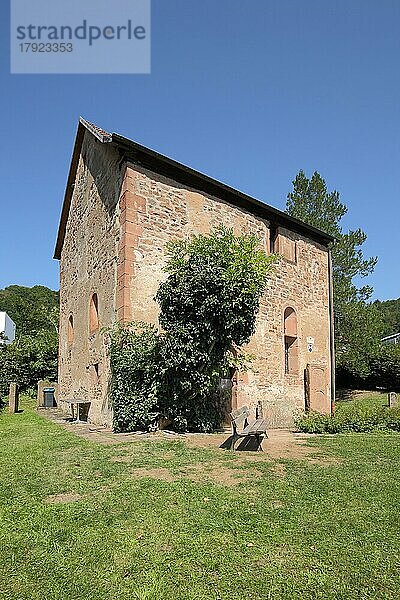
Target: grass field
361, 400
85, 521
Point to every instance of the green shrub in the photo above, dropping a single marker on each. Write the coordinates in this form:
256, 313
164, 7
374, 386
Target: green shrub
359, 419
135, 364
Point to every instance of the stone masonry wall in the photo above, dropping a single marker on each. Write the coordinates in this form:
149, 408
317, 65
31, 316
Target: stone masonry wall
120, 219
160, 210
89, 265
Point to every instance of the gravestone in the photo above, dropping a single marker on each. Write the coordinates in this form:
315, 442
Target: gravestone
392, 399
13, 398
259, 410
40, 396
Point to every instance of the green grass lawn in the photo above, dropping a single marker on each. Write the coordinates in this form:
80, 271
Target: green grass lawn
361, 401
79, 522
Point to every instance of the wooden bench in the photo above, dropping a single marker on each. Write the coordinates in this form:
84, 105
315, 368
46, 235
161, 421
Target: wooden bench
241, 427
78, 402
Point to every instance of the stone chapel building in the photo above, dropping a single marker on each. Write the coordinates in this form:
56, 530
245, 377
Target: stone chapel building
122, 203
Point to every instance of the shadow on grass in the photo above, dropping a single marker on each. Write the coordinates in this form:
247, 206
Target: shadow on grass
247, 444
342, 395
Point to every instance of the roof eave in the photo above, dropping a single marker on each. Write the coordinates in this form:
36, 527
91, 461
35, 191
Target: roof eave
184, 174
136, 153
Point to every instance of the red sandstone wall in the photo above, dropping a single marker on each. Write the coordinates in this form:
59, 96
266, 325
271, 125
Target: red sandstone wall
89, 264
114, 245
161, 209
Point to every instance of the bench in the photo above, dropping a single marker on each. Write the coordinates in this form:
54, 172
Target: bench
78, 402
241, 427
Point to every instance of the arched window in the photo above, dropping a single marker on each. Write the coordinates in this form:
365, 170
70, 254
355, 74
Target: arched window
290, 342
70, 329
94, 314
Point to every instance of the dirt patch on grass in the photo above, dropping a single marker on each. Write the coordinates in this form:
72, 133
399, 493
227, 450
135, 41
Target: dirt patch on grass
280, 555
220, 474
121, 459
281, 443
62, 498
279, 470
156, 473
325, 461
128, 458
201, 473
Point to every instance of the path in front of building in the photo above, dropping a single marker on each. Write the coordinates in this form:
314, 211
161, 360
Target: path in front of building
280, 444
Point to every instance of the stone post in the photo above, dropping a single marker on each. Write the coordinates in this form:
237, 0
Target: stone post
259, 410
13, 398
56, 390
392, 399
40, 397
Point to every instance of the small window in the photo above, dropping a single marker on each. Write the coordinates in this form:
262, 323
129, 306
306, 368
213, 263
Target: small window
273, 239
291, 342
96, 373
94, 314
290, 356
70, 329
287, 356
287, 249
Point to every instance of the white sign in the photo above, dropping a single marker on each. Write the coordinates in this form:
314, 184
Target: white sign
310, 344
7, 329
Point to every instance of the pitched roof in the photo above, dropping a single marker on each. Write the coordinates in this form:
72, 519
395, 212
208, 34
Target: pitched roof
134, 152
101, 134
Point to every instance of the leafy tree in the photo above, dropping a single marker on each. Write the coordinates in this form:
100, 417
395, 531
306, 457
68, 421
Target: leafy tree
32, 309
33, 354
357, 326
385, 368
358, 334
209, 304
311, 202
28, 359
390, 312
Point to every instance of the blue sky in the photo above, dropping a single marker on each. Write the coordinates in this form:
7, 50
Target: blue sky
247, 92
